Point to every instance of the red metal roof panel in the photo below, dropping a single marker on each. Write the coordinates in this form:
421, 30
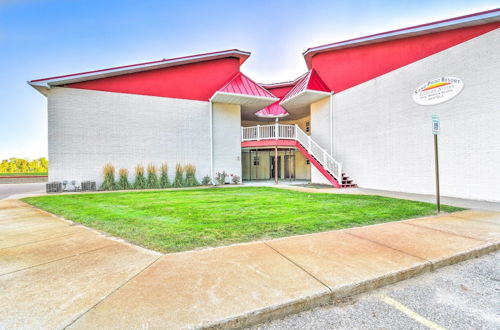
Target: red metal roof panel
309, 81
241, 84
272, 111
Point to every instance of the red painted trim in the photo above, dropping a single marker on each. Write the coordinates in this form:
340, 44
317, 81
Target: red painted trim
293, 143
268, 143
23, 176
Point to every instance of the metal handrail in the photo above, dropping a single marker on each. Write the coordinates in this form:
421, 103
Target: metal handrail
293, 132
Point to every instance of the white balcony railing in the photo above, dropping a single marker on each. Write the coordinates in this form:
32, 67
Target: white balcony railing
293, 132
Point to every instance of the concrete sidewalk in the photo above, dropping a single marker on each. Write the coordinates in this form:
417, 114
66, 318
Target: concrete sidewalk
54, 274
453, 201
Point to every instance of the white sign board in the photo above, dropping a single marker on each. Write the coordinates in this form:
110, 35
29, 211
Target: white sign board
438, 90
436, 125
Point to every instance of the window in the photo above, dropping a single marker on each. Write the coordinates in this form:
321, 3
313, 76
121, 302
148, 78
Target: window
308, 126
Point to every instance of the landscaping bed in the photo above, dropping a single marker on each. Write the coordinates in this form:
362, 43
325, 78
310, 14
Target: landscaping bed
170, 221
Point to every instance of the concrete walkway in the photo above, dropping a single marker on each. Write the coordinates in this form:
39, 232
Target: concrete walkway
453, 201
54, 274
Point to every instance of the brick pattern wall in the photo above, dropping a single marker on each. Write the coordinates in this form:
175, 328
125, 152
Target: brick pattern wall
90, 128
383, 138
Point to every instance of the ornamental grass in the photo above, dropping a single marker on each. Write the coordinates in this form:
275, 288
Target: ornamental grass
140, 180
109, 177
179, 176
164, 181
190, 180
123, 179
152, 181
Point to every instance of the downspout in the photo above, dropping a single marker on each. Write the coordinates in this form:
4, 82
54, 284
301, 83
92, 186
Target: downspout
211, 143
331, 123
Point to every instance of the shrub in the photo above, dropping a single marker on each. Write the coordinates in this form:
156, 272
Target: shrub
206, 180
221, 177
109, 177
152, 182
140, 180
191, 176
164, 181
123, 179
235, 178
179, 176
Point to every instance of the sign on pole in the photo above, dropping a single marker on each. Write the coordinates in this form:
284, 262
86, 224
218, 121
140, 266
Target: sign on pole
436, 126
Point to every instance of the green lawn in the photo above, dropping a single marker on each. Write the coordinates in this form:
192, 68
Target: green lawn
23, 174
181, 220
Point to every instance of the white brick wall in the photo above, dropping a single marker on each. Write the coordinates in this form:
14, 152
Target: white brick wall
320, 133
227, 138
384, 140
90, 128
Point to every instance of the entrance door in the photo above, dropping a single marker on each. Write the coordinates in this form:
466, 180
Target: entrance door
271, 174
289, 166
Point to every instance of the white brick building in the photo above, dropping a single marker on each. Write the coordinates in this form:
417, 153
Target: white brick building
353, 112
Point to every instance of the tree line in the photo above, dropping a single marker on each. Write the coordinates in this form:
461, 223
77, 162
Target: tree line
20, 165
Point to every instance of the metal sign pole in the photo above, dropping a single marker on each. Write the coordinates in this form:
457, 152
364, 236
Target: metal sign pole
436, 129
436, 161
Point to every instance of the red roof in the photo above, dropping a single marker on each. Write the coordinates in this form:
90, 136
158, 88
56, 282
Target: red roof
446, 24
308, 81
88, 75
241, 84
272, 111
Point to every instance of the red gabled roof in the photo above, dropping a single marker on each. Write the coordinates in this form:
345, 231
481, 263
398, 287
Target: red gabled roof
308, 81
274, 110
241, 84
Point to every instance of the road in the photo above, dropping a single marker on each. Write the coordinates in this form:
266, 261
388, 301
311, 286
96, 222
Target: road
9, 189
462, 296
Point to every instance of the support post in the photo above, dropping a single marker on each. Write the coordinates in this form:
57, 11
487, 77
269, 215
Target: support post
276, 165
436, 162
258, 132
276, 135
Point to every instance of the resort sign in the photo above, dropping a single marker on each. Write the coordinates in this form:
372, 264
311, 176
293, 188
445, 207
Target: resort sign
438, 90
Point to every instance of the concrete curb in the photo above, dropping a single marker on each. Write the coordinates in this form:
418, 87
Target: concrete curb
329, 296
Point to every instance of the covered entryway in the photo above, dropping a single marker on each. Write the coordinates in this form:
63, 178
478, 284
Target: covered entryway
259, 164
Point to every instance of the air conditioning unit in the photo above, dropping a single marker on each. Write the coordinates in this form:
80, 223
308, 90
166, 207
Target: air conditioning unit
53, 187
88, 186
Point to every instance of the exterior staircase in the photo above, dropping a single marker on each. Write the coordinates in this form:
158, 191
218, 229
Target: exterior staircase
292, 135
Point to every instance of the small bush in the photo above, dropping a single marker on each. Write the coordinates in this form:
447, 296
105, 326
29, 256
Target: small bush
179, 176
123, 179
109, 177
191, 176
221, 177
235, 179
140, 180
206, 180
152, 181
164, 181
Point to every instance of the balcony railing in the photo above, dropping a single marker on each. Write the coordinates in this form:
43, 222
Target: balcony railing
293, 132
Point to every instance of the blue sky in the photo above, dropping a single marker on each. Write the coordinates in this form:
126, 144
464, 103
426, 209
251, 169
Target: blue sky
42, 38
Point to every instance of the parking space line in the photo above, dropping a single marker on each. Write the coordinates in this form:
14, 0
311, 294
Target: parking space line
410, 313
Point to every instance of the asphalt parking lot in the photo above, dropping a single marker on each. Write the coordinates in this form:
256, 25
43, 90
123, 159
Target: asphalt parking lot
461, 296
10, 189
